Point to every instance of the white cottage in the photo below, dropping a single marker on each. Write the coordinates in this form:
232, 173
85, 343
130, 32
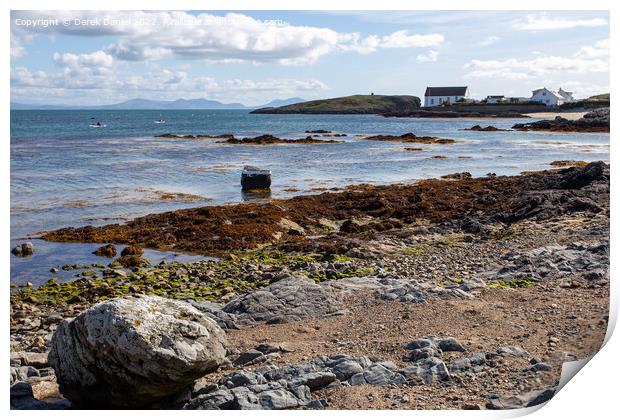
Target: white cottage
568, 96
550, 97
494, 99
435, 96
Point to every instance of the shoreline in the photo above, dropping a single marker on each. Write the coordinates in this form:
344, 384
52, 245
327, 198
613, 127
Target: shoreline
464, 263
217, 229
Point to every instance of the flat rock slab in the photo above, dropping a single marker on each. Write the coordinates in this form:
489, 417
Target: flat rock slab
288, 300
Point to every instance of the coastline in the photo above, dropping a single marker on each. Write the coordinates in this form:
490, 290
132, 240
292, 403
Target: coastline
468, 247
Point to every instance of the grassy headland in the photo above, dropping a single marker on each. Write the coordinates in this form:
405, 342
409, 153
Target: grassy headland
355, 104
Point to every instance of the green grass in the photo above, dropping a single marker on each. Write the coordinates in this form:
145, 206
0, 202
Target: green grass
416, 250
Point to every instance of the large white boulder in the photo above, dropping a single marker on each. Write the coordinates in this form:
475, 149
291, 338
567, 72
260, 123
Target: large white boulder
134, 351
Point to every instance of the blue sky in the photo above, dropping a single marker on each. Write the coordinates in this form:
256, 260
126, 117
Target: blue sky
252, 57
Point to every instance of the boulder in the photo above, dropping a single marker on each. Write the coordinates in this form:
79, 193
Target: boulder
131, 352
23, 250
132, 250
108, 250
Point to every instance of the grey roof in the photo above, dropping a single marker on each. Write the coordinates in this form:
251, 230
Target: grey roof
446, 91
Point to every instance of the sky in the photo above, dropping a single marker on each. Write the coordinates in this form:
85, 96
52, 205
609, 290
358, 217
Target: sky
253, 57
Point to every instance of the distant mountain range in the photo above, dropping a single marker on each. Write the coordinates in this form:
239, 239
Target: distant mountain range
139, 103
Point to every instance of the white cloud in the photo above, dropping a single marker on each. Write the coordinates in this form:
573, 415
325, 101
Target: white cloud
541, 22
586, 60
403, 39
93, 60
233, 37
583, 89
159, 84
600, 49
430, 56
488, 41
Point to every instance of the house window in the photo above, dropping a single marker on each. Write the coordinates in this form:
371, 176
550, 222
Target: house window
544, 93
432, 102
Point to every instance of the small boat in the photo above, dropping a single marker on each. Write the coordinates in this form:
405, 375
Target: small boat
160, 121
253, 178
97, 125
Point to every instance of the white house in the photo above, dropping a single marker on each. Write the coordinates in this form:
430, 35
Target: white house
493, 99
435, 96
550, 97
568, 96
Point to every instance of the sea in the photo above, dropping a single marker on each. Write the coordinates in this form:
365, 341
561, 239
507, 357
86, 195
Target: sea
66, 173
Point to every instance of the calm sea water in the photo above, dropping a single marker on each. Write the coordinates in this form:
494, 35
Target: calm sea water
65, 173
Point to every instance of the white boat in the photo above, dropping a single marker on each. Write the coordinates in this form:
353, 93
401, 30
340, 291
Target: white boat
98, 125
160, 121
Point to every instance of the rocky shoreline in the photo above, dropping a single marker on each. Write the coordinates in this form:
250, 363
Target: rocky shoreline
596, 121
447, 267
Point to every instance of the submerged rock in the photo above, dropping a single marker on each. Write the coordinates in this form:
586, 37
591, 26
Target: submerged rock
133, 351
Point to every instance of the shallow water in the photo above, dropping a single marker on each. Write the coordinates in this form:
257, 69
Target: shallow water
64, 173
36, 268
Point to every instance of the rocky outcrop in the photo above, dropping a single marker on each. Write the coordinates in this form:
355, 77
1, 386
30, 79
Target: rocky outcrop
595, 121
23, 250
269, 139
487, 128
108, 250
411, 138
288, 300
296, 298
132, 250
577, 261
133, 351
526, 399
290, 386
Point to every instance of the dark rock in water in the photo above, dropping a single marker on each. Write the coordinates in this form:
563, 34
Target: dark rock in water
487, 128
23, 250
458, 175
132, 352
253, 178
108, 250
132, 250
